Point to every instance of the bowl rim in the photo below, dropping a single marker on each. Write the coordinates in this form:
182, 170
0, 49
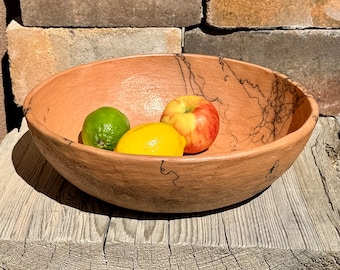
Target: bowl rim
303, 131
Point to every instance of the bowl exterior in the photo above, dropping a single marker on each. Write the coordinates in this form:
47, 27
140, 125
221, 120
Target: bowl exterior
167, 185
266, 120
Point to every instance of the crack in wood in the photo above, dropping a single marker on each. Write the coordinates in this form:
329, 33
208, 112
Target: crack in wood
105, 242
322, 176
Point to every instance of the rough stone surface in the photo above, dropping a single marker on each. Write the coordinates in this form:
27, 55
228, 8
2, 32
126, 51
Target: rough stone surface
275, 13
111, 13
37, 53
3, 47
310, 57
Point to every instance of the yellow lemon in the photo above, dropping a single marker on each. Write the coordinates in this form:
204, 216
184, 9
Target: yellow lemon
157, 139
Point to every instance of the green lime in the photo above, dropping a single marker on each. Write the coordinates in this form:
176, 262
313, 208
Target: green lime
103, 128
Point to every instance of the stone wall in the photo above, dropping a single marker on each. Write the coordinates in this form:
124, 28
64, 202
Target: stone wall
298, 38
10, 112
3, 45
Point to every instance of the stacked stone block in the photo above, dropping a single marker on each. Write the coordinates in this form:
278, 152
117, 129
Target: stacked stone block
300, 39
288, 14
310, 57
38, 53
111, 13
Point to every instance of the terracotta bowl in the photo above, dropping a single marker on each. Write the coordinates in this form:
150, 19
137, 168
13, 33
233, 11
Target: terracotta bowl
266, 120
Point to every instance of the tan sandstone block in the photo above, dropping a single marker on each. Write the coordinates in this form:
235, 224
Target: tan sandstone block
37, 53
111, 13
274, 13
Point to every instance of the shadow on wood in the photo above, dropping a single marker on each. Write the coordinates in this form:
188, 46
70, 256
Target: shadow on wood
39, 174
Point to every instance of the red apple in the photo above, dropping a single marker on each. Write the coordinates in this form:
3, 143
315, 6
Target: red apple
195, 118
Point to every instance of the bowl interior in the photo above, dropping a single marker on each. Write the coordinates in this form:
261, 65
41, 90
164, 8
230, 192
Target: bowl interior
256, 105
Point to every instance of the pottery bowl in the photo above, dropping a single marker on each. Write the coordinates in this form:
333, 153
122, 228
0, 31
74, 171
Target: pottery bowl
265, 122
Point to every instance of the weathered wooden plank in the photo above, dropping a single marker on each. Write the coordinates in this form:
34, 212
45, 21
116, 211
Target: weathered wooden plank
46, 255
294, 224
138, 256
148, 230
63, 255
36, 203
318, 171
186, 257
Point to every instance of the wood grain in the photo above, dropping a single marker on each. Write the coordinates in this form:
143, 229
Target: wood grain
46, 223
